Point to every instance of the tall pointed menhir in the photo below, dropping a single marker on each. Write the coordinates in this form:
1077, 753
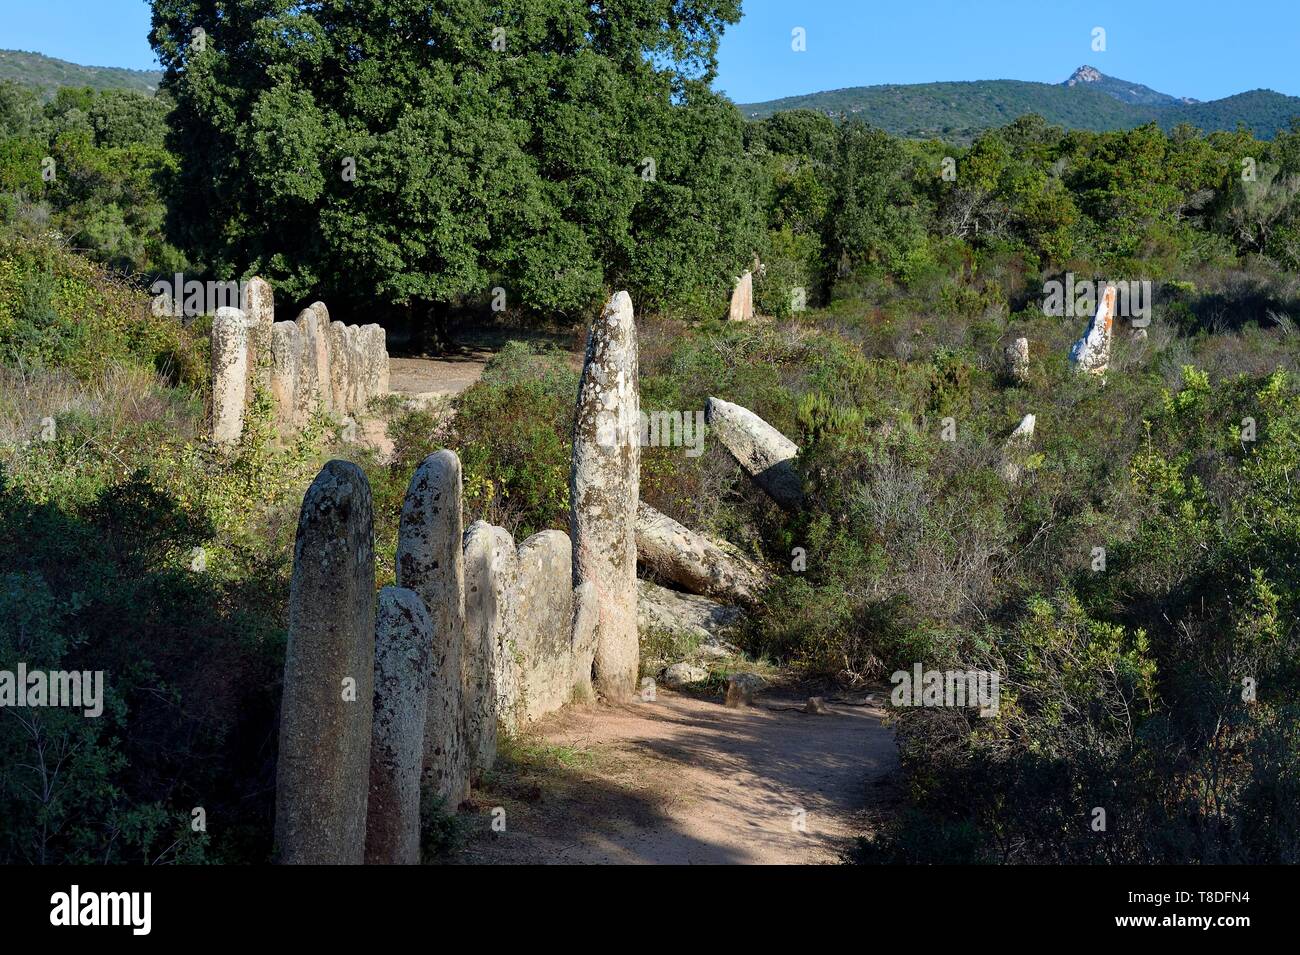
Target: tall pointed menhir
604, 489
1091, 353
325, 716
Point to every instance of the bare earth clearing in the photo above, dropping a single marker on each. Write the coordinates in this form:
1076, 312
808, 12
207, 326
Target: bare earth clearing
685, 780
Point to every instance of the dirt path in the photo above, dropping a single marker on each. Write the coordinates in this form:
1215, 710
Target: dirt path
685, 780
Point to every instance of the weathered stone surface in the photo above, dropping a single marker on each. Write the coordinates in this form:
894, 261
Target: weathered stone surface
679, 675
313, 362
544, 623
694, 562
659, 608
429, 561
586, 615
505, 653
487, 595
403, 670
1016, 447
312, 386
229, 374
1091, 353
742, 299
604, 490
286, 346
766, 454
326, 712
342, 367
259, 304
742, 688
372, 344
1017, 356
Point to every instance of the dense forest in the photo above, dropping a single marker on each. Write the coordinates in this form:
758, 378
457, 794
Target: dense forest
591, 154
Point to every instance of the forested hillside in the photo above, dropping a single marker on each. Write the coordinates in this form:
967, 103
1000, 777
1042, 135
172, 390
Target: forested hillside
48, 75
960, 111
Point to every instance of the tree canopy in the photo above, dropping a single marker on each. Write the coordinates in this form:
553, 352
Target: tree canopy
414, 154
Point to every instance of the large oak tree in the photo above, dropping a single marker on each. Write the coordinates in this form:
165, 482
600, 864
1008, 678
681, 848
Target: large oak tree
557, 148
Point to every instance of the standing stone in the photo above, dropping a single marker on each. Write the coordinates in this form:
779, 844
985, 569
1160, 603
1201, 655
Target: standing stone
486, 597
286, 347
229, 374
505, 652
742, 299
544, 623
1017, 356
340, 368
373, 363
586, 615
326, 713
259, 304
766, 454
1091, 353
1015, 448
604, 489
429, 562
694, 562
403, 642
313, 383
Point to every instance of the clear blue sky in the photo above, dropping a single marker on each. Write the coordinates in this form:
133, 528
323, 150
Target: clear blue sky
1200, 48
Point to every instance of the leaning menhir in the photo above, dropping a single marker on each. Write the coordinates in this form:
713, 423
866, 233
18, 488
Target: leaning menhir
325, 716
403, 641
766, 454
604, 488
429, 562
1091, 353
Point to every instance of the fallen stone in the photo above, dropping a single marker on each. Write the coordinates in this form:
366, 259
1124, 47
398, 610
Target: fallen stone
429, 561
604, 490
694, 562
322, 774
229, 374
403, 641
698, 618
683, 674
742, 688
766, 454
